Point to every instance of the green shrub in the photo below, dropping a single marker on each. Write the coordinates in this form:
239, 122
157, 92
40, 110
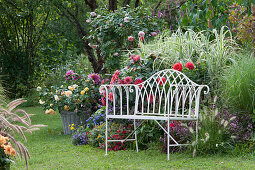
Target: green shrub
238, 84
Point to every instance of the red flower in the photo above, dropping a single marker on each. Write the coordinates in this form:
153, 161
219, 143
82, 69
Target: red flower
121, 81
177, 66
138, 81
141, 38
190, 65
117, 72
161, 80
128, 80
171, 125
150, 98
130, 38
135, 59
103, 101
132, 56
111, 96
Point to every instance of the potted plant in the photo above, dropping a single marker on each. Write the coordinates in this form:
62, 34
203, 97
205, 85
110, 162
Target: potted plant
75, 99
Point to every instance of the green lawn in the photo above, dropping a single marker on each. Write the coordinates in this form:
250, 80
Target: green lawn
50, 149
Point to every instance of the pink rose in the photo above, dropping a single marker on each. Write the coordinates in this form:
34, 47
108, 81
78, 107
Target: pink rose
141, 34
126, 19
88, 20
93, 14
130, 38
111, 96
154, 34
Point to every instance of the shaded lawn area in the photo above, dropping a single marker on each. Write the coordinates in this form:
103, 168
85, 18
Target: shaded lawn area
50, 149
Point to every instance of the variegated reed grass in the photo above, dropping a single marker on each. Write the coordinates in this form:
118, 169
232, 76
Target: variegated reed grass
217, 49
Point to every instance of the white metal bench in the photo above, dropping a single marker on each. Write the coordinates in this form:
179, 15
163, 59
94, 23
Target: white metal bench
167, 95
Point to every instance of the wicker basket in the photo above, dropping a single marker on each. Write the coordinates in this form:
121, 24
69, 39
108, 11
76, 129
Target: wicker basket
69, 118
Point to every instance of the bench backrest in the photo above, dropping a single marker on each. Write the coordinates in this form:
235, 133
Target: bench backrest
168, 93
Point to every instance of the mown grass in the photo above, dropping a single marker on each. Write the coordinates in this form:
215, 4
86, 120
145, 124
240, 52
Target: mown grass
50, 149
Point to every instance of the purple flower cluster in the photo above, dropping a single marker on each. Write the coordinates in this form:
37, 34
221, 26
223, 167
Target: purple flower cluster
95, 77
179, 132
241, 127
80, 139
70, 75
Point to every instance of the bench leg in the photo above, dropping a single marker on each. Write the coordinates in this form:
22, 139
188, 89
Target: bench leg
196, 133
135, 136
168, 139
106, 137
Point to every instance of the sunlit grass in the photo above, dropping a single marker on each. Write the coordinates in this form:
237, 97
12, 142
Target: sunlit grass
50, 149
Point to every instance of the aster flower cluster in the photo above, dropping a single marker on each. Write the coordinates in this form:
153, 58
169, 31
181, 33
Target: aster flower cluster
80, 138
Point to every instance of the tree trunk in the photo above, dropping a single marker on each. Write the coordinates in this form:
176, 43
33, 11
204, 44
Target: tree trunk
125, 3
137, 3
113, 5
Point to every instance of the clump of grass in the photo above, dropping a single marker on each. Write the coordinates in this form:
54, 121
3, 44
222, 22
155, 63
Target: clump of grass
238, 84
216, 49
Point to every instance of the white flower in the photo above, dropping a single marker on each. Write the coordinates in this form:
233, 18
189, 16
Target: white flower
141, 34
56, 97
225, 124
116, 54
194, 152
68, 93
93, 14
217, 145
99, 16
39, 88
191, 130
41, 102
75, 86
126, 19
232, 118
206, 134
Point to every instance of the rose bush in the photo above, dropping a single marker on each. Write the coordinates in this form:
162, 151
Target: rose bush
77, 93
113, 32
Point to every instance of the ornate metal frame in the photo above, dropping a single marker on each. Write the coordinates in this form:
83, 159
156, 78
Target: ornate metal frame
166, 95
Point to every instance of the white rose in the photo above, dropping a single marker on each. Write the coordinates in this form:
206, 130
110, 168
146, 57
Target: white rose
41, 102
39, 88
68, 93
56, 97
75, 86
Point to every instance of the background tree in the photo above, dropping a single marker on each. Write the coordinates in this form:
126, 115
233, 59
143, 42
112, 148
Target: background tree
21, 24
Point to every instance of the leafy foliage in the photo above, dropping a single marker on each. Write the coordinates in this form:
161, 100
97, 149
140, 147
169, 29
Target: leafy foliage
110, 32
